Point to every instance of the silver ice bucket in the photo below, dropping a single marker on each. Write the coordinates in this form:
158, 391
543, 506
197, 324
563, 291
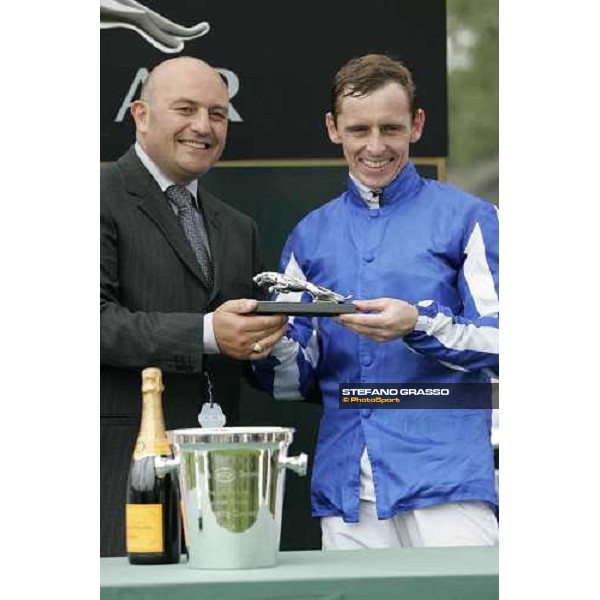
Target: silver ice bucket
232, 484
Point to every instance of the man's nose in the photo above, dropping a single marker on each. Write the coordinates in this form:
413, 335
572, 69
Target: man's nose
375, 143
201, 121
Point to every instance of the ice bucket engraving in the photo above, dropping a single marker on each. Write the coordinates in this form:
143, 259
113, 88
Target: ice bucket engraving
232, 485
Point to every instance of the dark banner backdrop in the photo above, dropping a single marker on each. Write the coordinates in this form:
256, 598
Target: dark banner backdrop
278, 58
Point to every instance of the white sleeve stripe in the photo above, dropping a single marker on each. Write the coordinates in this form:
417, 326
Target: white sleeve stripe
453, 367
460, 336
286, 380
479, 277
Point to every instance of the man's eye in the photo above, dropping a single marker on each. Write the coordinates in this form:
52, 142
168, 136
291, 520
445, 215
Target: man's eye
218, 116
185, 110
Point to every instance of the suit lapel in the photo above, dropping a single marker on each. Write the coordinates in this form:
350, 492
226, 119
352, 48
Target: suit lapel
216, 236
154, 204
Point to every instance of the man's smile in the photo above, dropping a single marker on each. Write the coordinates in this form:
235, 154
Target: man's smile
376, 163
196, 144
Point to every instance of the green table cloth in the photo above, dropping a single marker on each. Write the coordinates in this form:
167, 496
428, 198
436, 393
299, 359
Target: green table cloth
403, 574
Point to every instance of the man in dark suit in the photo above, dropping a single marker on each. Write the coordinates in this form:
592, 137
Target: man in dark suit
176, 271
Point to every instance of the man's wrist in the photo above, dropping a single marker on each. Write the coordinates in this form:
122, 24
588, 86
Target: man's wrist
209, 341
427, 310
414, 317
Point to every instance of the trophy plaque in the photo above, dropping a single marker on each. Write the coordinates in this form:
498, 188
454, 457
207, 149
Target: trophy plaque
325, 303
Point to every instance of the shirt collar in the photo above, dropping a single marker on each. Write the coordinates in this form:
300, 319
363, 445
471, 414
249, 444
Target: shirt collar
369, 195
405, 185
163, 181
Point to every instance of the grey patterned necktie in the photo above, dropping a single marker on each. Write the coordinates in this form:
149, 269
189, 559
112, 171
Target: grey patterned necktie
193, 226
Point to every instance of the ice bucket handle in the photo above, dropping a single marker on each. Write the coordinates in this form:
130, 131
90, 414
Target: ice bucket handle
297, 464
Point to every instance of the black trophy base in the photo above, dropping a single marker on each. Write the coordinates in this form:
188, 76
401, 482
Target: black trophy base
311, 309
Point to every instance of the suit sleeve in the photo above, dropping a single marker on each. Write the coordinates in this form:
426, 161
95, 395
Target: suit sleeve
258, 265
138, 339
290, 371
468, 341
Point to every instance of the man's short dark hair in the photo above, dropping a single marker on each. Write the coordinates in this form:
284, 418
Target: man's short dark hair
365, 74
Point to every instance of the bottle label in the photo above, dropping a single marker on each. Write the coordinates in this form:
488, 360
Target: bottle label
144, 528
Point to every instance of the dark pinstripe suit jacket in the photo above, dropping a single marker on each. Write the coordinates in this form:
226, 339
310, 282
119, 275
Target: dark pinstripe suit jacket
152, 300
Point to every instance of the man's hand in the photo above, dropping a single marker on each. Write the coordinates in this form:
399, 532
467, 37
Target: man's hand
243, 335
394, 318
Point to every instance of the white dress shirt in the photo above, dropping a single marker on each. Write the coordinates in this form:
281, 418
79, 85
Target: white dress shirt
209, 341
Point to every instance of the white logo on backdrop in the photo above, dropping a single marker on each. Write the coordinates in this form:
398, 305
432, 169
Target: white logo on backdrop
163, 34
159, 31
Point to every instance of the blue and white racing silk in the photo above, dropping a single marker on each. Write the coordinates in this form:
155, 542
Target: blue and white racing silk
436, 247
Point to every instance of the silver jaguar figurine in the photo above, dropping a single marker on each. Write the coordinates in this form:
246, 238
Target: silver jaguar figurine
278, 282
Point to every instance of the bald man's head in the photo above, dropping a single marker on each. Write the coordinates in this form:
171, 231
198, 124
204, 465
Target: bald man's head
181, 117
175, 65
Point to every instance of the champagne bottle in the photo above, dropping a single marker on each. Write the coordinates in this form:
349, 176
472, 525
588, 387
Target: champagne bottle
152, 519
